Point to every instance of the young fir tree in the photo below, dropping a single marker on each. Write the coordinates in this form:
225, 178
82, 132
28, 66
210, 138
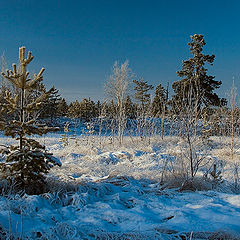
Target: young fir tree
142, 95
27, 163
196, 87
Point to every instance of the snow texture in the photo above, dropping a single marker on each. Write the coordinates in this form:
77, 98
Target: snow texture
118, 195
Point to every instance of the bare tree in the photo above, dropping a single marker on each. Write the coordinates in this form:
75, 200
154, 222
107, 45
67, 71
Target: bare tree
117, 88
190, 128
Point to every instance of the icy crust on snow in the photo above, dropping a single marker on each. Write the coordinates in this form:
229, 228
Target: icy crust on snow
120, 205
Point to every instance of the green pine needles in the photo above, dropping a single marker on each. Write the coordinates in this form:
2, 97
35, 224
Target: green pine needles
196, 88
27, 163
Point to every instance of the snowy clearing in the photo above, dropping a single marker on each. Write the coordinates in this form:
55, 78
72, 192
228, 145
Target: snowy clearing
107, 191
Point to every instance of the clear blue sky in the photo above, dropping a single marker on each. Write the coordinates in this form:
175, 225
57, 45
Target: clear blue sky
78, 41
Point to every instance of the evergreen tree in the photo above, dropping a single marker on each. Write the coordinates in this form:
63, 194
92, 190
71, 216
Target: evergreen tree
159, 101
142, 95
26, 163
112, 110
84, 110
74, 110
87, 109
130, 108
62, 108
4, 83
98, 108
70, 110
30, 96
50, 107
196, 88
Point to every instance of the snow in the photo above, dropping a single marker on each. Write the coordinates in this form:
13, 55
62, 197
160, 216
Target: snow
114, 192
109, 207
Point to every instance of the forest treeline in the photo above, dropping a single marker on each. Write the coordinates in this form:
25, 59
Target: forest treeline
128, 97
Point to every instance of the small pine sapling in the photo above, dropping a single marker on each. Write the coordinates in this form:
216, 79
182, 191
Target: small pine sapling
27, 163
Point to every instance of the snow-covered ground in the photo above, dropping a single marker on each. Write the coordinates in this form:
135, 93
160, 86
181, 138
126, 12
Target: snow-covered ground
107, 191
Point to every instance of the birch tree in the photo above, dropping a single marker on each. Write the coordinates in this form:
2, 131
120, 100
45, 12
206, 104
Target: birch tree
117, 88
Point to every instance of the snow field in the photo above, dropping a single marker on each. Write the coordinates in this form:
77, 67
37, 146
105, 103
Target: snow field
114, 192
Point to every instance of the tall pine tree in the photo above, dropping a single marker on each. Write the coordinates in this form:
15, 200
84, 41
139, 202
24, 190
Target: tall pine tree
130, 108
196, 87
62, 108
142, 89
50, 107
160, 101
74, 109
87, 109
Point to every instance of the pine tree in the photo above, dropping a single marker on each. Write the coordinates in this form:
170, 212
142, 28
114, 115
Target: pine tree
27, 163
62, 108
130, 108
98, 108
5, 85
50, 107
142, 88
87, 109
196, 88
30, 96
159, 101
74, 110
111, 109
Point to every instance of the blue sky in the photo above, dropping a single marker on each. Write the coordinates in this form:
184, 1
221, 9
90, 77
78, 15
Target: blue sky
78, 41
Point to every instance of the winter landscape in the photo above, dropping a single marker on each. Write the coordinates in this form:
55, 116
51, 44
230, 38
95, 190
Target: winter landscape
146, 149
